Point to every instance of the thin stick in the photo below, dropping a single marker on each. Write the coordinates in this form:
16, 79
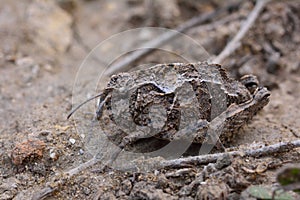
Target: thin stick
164, 38
210, 158
235, 42
215, 24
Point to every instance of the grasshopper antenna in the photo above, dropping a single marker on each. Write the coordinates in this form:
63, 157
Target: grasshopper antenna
77, 107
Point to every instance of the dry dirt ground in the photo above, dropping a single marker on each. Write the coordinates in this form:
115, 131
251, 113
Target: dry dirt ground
43, 43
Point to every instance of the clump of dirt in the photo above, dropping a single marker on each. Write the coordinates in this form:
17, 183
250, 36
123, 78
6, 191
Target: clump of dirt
27, 149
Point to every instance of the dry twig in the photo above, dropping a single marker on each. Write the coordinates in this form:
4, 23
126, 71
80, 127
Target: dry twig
216, 24
209, 158
235, 42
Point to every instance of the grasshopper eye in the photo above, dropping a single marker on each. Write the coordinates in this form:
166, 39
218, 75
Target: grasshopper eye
250, 82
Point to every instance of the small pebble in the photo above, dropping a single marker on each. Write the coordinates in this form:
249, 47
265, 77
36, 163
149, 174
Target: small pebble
53, 155
81, 151
72, 140
86, 191
44, 132
25, 62
48, 67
